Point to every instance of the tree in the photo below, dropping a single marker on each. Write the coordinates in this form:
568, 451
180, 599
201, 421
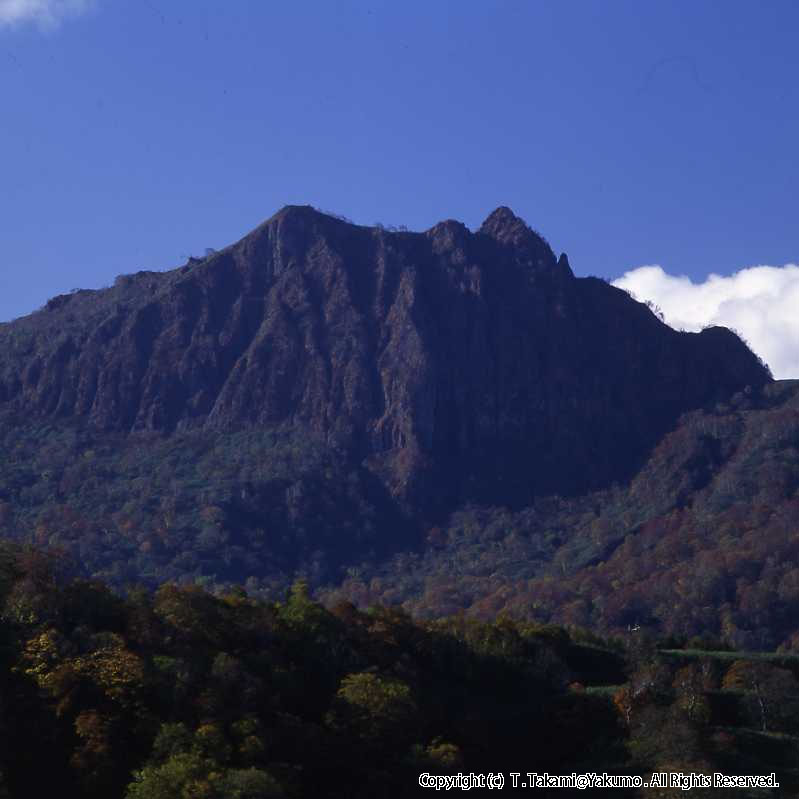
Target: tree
181, 776
689, 687
374, 708
770, 693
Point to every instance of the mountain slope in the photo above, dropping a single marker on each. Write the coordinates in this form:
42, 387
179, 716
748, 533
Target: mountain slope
452, 365
703, 541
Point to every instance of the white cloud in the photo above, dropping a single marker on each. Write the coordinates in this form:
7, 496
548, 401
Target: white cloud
47, 14
759, 302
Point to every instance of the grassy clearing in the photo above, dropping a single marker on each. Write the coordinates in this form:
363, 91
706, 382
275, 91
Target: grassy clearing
602, 690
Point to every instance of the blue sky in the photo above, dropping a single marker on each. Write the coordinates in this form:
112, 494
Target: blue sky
136, 133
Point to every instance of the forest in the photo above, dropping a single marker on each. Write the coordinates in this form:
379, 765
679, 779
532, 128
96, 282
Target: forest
183, 693
700, 543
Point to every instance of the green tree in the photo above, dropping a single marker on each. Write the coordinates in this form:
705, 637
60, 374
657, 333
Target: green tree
181, 776
374, 708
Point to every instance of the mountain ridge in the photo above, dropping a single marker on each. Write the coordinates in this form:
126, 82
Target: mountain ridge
444, 356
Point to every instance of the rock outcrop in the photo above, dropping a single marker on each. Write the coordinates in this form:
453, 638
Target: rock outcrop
456, 365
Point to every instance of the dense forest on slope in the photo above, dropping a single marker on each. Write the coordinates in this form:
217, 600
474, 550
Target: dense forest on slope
703, 541
254, 507
182, 693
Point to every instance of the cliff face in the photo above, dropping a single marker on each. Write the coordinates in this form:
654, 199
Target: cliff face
455, 365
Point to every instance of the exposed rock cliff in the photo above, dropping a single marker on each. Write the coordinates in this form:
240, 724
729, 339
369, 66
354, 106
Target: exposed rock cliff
456, 365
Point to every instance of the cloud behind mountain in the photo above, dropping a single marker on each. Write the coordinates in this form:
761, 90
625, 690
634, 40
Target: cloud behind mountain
761, 303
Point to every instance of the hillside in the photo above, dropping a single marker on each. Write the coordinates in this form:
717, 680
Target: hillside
703, 541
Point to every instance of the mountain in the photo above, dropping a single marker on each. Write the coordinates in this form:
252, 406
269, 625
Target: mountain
453, 365
448, 419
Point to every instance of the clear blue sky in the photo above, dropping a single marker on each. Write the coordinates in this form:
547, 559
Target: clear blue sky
628, 133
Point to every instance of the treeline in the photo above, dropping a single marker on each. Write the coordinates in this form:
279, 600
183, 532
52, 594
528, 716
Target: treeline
182, 693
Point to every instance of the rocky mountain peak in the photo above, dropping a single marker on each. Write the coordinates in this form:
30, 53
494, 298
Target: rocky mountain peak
450, 364
504, 226
514, 233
